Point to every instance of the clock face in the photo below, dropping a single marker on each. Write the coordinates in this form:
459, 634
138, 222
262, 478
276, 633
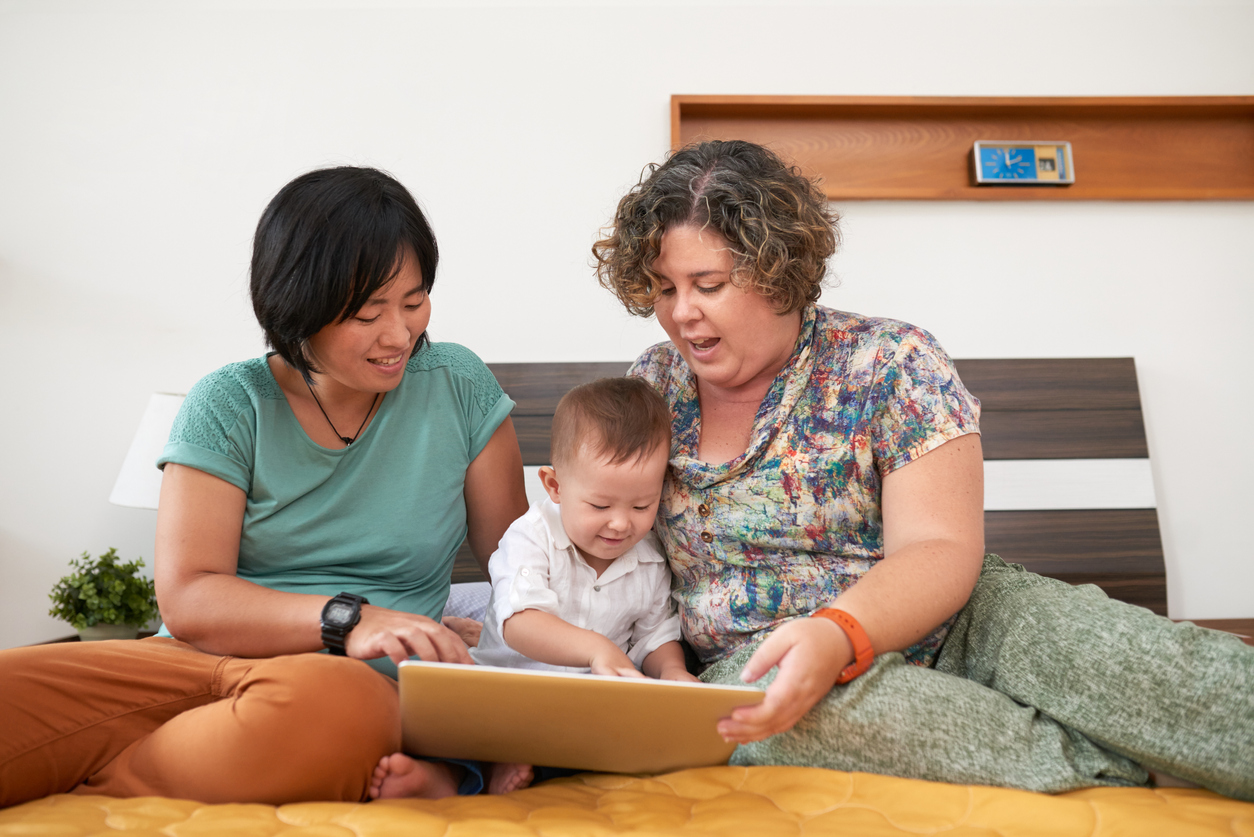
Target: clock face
1008, 163
1022, 163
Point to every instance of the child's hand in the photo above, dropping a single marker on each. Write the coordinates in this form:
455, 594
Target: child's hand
681, 674
613, 662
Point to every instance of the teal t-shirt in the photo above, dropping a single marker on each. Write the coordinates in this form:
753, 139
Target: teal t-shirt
382, 518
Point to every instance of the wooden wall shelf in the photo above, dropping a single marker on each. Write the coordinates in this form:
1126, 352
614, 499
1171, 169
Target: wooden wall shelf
907, 148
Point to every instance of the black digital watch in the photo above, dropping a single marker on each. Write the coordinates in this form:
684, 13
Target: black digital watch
339, 616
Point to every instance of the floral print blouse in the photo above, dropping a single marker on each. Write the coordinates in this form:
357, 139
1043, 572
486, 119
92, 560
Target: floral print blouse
782, 529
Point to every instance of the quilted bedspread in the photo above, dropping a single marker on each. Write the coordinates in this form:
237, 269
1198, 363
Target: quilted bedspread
714, 800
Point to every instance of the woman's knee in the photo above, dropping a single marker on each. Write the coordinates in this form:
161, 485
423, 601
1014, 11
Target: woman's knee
344, 701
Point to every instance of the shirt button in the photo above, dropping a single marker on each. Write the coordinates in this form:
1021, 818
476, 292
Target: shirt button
525, 571
707, 537
703, 510
597, 588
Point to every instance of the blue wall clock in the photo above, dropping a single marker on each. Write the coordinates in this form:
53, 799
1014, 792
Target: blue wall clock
1022, 163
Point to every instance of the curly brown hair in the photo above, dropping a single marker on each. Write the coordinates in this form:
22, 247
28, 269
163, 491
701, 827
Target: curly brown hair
778, 223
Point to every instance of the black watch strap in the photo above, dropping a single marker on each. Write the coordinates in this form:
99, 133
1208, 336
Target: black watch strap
339, 616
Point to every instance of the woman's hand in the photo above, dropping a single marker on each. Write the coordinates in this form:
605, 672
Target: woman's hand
468, 629
391, 633
810, 654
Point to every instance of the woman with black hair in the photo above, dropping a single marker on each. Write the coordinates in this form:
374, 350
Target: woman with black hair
313, 499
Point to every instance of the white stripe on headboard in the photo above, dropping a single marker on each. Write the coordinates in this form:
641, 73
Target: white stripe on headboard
1039, 484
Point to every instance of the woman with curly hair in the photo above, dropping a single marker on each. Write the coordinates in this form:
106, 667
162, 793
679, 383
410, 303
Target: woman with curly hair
826, 464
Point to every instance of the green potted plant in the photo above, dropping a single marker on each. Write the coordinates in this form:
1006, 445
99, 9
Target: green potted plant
103, 599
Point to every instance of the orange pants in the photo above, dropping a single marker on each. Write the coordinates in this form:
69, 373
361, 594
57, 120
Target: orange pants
157, 717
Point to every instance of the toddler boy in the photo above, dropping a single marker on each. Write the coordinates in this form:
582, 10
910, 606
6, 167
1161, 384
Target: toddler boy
579, 583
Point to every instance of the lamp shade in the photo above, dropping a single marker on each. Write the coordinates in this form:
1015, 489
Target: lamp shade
139, 482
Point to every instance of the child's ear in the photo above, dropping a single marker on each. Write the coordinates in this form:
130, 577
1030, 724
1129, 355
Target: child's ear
548, 478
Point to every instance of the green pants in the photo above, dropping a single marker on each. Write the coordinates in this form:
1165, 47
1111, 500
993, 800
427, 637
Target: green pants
1041, 686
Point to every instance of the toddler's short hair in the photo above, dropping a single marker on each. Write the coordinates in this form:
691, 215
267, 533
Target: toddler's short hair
617, 418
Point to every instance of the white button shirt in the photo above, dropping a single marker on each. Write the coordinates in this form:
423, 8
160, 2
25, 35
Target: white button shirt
537, 567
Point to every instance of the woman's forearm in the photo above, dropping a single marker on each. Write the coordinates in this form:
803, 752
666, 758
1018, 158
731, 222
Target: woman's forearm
224, 614
903, 598
933, 512
202, 601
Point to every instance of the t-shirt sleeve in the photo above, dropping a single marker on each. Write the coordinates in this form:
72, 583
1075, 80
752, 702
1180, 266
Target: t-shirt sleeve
486, 404
653, 366
214, 430
917, 402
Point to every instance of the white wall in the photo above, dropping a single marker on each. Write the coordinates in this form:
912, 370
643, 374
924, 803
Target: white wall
140, 141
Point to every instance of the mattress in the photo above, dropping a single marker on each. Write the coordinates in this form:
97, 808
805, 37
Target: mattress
713, 800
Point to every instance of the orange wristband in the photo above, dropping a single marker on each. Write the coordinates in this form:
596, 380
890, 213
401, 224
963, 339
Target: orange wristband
863, 655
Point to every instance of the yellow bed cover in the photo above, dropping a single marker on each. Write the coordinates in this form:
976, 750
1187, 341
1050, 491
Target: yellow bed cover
714, 800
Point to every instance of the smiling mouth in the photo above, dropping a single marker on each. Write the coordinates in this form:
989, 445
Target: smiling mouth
385, 362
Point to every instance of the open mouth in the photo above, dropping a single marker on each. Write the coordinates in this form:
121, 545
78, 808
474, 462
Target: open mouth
385, 362
704, 345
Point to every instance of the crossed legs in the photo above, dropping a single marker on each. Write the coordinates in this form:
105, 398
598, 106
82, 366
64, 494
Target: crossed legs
157, 717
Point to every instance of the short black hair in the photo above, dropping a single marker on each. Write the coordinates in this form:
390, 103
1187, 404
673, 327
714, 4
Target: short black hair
324, 245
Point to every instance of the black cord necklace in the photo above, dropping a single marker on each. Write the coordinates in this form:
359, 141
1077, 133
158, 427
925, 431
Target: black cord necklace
345, 439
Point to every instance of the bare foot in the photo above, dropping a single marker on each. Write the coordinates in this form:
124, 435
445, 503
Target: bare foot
504, 777
399, 776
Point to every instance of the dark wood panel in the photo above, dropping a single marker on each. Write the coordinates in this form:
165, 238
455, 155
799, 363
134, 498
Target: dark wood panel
1161, 148
1077, 541
1114, 434
1070, 408
1107, 383
1119, 550
465, 567
533, 438
1148, 590
537, 387
1063, 434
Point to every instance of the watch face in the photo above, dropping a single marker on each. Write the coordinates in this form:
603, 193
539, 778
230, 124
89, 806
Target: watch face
338, 614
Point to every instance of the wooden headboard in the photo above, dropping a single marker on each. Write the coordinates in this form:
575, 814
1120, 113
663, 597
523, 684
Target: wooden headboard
1068, 490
